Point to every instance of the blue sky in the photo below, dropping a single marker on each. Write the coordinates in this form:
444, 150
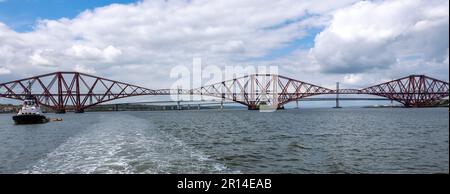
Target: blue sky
21, 15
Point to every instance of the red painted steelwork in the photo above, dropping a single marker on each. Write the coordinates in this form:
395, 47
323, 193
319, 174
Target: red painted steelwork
74, 89
62, 89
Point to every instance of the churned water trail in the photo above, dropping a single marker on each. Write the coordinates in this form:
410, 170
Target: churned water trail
125, 144
348, 140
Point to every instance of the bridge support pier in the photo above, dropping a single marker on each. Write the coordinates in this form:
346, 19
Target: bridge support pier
252, 108
255, 107
79, 110
60, 111
198, 106
337, 96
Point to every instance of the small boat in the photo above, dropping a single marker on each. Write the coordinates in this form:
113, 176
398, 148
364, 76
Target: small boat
263, 106
30, 113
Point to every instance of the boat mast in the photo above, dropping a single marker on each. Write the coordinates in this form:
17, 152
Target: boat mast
30, 96
29, 87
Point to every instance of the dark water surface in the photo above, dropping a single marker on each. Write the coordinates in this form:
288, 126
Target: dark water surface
351, 140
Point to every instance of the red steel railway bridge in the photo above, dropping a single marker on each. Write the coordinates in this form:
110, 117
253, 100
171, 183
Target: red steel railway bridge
60, 90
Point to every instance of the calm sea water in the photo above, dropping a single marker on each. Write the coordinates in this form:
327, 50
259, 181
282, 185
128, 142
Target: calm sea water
384, 140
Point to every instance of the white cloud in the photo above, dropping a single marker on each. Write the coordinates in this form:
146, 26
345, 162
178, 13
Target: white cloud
377, 34
108, 54
85, 51
38, 59
84, 69
4, 71
446, 58
352, 78
231, 46
111, 53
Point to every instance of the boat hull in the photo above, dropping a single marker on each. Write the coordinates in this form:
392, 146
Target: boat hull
30, 119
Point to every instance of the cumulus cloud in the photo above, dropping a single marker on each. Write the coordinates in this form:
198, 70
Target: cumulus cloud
352, 78
377, 34
108, 54
150, 37
365, 41
4, 70
235, 46
84, 69
39, 58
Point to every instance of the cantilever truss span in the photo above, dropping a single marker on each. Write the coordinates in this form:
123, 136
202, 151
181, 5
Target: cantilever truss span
411, 91
61, 89
78, 90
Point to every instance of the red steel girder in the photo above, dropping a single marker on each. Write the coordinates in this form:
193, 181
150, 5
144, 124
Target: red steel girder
62, 89
78, 90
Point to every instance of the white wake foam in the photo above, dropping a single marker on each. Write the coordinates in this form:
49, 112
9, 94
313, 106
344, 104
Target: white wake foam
125, 144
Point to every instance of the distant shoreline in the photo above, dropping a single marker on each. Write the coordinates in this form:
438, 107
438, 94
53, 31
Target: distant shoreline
9, 108
404, 107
